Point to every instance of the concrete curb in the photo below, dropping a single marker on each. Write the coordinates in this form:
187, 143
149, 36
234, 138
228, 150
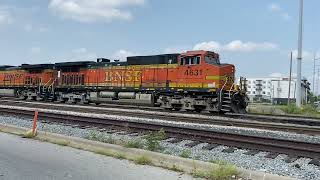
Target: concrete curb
158, 159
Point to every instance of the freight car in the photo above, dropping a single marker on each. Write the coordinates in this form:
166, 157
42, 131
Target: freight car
191, 81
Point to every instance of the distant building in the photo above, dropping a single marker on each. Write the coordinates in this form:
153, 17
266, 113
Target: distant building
275, 89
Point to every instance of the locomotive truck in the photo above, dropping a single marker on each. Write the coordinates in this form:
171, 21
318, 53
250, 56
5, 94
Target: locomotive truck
190, 81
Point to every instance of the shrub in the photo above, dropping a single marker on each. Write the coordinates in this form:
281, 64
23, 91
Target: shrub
219, 172
134, 143
143, 160
120, 156
186, 153
153, 140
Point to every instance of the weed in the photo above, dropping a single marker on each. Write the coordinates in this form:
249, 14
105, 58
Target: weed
134, 143
143, 160
120, 156
175, 168
186, 153
221, 171
219, 161
93, 135
29, 134
109, 140
153, 140
199, 174
103, 152
61, 142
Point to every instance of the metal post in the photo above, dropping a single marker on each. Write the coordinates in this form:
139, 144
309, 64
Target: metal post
290, 79
299, 58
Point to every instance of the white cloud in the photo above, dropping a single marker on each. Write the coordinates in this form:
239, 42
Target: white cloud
277, 9
274, 7
176, 49
276, 74
5, 16
94, 10
236, 46
83, 54
306, 55
123, 54
208, 46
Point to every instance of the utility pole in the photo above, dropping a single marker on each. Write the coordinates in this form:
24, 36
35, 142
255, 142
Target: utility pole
290, 79
317, 84
314, 78
314, 71
299, 58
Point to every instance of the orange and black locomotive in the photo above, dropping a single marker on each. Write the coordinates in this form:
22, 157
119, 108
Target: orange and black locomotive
191, 81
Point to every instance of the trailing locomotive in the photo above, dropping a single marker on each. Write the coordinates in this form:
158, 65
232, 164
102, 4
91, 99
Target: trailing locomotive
191, 81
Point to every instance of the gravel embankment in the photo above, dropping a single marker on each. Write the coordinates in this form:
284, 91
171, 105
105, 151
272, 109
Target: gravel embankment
215, 128
299, 169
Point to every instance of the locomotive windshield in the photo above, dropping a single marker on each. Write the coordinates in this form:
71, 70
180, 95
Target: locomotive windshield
212, 60
190, 60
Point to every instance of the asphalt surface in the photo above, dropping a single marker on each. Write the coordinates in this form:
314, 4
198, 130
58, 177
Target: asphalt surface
27, 159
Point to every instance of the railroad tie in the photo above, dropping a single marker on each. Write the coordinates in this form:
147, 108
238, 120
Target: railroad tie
175, 140
192, 144
229, 150
315, 162
290, 159
272, 155
252, 152
210, 146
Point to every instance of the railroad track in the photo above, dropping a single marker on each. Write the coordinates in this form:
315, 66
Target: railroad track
175, 117
288, 119
290, 147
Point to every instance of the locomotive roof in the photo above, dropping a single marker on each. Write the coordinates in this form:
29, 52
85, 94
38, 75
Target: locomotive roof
4, 67
76, 63
37, 66
153, 59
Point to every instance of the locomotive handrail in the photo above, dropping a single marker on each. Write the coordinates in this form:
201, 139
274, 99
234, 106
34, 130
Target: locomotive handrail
222, 89
230, 90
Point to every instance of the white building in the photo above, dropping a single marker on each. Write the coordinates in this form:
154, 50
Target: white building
275, 89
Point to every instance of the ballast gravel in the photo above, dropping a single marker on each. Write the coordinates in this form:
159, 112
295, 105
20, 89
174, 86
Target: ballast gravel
298, 169
207, 127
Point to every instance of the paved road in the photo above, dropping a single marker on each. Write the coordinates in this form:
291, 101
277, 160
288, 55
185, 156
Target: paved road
26, 159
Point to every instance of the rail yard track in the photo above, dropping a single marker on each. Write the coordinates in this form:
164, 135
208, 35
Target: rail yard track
204, 135
305, 126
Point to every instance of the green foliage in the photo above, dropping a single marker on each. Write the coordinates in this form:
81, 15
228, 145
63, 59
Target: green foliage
153, 140
120, 156
134, 143
219, 161
308, 110
221, 171
186, 153
93, 135
143, 160
175, 168
103, 152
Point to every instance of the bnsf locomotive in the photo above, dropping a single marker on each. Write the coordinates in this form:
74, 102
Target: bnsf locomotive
191, 81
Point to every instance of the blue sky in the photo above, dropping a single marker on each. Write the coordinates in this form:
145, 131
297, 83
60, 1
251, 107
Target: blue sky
256, 36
